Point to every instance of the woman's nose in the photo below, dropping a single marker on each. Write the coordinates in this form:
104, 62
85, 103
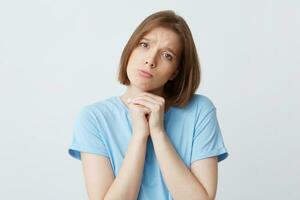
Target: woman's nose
150, 59
151, 64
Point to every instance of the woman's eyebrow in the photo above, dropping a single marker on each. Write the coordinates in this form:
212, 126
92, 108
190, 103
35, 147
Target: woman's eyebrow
144, 38
169, 49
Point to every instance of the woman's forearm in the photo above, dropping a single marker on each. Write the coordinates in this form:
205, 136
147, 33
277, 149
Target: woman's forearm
180, 181
127, 182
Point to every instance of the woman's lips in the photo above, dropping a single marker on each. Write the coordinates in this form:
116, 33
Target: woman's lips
145, 74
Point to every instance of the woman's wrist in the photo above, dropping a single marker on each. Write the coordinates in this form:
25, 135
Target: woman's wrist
139, 137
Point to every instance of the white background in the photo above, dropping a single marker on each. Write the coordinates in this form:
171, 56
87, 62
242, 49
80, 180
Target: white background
57, 56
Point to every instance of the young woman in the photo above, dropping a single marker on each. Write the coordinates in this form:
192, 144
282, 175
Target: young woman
159, 140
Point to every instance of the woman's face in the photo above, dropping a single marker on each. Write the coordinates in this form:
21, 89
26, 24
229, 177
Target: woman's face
157, 53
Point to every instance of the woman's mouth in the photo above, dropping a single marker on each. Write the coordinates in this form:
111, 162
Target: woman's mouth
144, 74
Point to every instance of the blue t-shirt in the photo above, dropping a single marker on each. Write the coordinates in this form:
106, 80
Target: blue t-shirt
104, 128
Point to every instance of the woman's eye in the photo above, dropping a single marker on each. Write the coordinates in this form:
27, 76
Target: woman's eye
168, 56
143, 44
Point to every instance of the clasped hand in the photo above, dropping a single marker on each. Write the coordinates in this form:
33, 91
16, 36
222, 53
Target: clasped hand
156, 104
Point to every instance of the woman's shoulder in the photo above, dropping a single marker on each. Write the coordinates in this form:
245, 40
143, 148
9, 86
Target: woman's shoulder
198, 104
102, 106
202, 102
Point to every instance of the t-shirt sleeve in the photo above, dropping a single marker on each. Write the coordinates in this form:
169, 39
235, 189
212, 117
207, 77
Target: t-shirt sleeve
86, 135
208, 140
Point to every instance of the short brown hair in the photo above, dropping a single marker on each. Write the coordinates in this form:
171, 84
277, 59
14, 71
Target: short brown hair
181, 89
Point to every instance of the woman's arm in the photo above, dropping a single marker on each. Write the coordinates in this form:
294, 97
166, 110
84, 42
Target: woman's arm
98, 175
181, 182
127, 183
99, 178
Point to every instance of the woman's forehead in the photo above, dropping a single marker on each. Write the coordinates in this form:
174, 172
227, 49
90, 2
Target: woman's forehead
161, 33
